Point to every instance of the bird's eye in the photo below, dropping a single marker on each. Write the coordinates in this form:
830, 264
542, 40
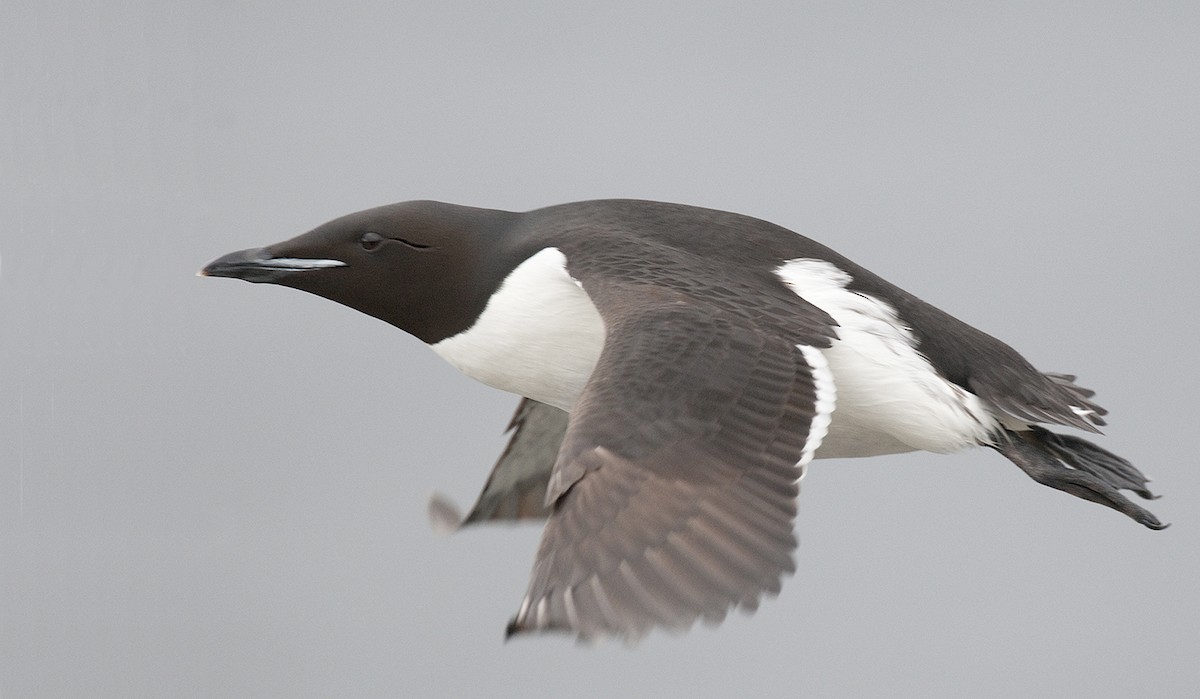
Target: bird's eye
370, 241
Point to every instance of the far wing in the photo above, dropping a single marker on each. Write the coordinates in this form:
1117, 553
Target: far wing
516, 488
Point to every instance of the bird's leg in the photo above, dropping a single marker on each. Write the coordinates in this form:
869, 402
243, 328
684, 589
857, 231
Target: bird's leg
1048, 463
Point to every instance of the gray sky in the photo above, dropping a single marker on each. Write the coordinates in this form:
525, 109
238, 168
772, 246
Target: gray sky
211, 488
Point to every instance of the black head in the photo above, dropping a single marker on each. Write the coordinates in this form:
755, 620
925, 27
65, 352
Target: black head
425, 267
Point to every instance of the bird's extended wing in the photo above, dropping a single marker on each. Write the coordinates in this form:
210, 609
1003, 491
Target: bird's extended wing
674, 493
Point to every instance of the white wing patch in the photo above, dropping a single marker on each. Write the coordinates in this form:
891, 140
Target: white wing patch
826, 391
889, 397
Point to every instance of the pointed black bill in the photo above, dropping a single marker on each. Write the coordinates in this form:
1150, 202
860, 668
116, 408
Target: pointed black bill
258, 265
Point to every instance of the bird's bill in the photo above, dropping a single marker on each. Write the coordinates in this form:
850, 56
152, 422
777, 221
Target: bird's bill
259, 265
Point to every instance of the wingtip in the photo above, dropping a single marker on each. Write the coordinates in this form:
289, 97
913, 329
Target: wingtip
519, 629
444, 516
513, 629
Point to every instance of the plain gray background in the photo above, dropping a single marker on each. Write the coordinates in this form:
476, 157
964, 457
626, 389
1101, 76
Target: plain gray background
209, 488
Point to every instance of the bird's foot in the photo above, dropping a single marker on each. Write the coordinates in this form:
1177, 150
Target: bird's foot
1046, 458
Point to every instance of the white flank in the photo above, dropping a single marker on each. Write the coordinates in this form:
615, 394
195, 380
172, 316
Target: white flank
539, 336
889, 397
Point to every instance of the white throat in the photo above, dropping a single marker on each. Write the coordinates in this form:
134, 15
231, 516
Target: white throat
539, 335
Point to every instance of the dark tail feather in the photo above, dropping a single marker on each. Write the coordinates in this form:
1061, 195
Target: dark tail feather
1078, 467
1082, 397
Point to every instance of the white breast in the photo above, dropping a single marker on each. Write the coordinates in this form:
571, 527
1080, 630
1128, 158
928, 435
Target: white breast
889, 397
539, 336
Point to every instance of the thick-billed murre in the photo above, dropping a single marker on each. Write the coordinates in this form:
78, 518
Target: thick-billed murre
680, 367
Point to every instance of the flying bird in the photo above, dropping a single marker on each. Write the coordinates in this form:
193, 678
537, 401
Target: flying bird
680, 367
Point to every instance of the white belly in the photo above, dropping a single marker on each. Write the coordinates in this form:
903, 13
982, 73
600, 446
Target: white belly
539, 336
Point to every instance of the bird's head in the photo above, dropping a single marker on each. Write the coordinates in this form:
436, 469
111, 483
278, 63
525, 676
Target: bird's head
425, 267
